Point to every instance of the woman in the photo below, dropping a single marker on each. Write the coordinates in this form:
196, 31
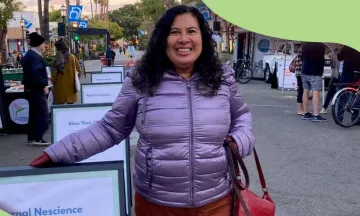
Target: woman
296, 67
63, 75
184, 103
19, 59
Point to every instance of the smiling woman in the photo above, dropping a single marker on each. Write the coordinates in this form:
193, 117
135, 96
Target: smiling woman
184, 103
184, 44
182, 41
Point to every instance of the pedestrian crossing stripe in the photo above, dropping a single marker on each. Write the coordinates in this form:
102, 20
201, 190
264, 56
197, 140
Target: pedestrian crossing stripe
2, 213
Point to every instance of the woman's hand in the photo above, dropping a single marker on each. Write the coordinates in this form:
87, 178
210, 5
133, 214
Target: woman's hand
232, 143
42, 161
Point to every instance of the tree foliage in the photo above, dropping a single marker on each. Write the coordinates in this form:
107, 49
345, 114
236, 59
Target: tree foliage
115, 30
154, 9
55, 15
7, 7
129, 17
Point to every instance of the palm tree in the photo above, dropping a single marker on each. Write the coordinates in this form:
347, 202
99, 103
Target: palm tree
44, 18
92, 12
96, 4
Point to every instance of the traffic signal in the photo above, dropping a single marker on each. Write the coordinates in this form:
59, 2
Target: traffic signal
76, 37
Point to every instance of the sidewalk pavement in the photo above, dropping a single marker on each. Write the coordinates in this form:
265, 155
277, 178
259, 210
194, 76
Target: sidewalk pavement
120, 59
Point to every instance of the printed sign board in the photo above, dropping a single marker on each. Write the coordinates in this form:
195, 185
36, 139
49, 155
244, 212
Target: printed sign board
66, 190
287, 79
67, 119
112, 69
19, 111
107, 77
100, 92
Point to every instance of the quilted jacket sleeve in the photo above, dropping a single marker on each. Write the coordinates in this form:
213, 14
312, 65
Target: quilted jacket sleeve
114, 127
241, 119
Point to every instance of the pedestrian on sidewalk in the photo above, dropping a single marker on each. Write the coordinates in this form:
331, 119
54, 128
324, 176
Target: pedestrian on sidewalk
335, 76
113, 57
131, 50
296, 67
351, 59
63, 75
109, 55
36, 88
313, 54
184, 103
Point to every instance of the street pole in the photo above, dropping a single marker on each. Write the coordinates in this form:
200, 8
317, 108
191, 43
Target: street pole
282, 90
23, 38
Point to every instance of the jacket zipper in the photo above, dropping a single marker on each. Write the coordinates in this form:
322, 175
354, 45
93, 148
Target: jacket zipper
191, 146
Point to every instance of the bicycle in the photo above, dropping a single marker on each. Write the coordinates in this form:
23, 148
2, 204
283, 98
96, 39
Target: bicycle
243, 71
347, 99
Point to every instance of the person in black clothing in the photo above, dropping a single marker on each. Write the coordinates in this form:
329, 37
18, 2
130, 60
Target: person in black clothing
351, 58
313, 63
35, 85
113, 57
109, 55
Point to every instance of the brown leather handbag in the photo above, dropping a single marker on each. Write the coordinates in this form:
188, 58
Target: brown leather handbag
247, 203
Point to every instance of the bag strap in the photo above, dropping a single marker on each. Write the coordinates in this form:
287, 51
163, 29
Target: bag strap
233, 162
234, 159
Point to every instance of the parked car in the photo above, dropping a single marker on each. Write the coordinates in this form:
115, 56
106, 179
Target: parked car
291, 51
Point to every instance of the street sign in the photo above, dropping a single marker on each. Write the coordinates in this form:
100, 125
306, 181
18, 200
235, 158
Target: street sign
74, 13
205, 11
27, 23
83, 23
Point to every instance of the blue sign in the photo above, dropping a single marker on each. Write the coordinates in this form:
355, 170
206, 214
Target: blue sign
205, 11
74, 13
264, 45
27, 23
83, 23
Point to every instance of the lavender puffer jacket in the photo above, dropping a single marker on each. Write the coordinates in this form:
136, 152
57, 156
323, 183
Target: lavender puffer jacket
180, 160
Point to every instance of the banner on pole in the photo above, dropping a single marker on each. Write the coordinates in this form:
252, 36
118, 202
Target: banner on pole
74, 13
83, 24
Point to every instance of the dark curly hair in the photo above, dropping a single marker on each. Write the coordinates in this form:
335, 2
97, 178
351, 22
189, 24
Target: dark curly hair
150, 69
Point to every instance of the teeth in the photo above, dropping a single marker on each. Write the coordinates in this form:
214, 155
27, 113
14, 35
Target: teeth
184, 50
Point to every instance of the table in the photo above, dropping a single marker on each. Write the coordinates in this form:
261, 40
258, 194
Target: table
17, 109
12, 74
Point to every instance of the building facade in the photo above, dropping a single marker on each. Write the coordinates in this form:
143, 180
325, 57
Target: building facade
16, 36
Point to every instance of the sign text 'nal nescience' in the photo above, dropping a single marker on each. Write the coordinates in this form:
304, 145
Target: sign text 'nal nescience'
55, 211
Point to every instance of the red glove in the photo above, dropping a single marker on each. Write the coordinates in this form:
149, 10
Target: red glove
42, 161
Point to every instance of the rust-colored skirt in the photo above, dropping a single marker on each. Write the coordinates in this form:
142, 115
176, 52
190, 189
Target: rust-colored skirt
221, 207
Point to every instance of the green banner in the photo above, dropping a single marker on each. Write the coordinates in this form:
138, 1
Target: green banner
302, 20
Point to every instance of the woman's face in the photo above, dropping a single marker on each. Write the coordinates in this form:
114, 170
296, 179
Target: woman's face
184, 43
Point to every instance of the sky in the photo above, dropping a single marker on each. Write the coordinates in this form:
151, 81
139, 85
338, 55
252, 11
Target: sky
31, 5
